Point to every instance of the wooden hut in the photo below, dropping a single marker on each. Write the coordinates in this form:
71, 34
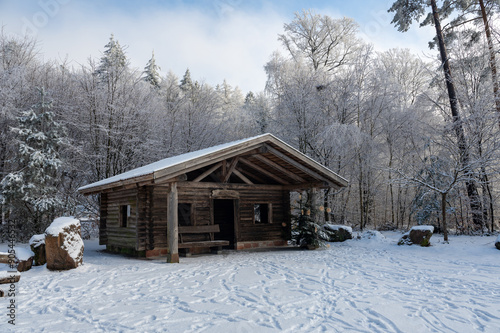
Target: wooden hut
235, 195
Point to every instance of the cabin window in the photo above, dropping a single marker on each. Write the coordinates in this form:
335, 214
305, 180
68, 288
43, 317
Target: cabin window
124, 215
184, 214
262, 213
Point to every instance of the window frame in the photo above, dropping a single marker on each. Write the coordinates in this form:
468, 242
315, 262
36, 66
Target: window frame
191, 213
269, 209
125, 212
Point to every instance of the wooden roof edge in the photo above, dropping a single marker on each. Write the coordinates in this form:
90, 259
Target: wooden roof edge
215, 157
121, 183
336, 179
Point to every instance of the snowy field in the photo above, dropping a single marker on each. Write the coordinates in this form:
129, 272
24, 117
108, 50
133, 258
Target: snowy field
367, 285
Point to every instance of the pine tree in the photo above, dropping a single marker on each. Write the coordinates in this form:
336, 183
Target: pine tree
304, 228
186, 82
30, 194
112, 62
151, 72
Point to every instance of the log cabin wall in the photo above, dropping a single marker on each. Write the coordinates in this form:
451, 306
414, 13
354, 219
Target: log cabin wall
121, 233
158, 222
201, 195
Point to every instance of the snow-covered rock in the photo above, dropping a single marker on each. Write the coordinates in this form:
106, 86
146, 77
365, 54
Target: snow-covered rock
335, 233
22, 258
37, 245
420, 235
64, 244
371, 234
497, 243
9, 277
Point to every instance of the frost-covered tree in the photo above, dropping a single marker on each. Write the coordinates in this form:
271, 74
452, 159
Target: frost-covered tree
31, 194
113, 62
258, 109
186, 82
325, 42
405, 12
151, 74
114, 99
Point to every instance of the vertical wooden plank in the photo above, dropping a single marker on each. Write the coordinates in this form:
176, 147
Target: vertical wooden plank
270, 213
236, 204
172, 224
287, 215
103, 234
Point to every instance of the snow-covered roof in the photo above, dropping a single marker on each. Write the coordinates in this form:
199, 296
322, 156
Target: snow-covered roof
183, 159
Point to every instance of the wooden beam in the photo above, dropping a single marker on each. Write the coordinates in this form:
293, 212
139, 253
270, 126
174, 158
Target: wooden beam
279, 168
242, 177
296, 164
172, 225
206, 173
252, 175
264, 171
228, 186
230, 170
209, 159
306, 186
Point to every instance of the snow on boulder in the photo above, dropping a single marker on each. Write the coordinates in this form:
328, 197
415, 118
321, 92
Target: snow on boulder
497, 243
64, 244
335, 233
7, 277
37, 245
24, 259
372, 234
420, 235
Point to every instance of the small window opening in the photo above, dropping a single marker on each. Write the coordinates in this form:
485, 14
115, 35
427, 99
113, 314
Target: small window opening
261, 213
124, 215
184, 215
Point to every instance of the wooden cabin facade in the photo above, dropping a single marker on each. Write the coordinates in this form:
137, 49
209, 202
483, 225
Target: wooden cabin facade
235, 195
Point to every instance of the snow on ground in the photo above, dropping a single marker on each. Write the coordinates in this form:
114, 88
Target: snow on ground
361, 285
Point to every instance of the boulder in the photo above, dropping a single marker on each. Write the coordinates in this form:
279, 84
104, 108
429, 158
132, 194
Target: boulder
419, 235
37, 245
21, 258
497, 243
335, 233
64, 244
25, 265
8, 277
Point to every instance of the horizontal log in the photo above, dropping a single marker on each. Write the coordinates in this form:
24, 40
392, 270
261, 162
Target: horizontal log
11, 278
203, 244
199, 229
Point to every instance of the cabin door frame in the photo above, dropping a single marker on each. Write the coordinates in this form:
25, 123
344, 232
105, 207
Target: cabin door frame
218, 204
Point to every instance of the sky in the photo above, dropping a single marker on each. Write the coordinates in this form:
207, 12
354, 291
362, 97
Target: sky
216, 40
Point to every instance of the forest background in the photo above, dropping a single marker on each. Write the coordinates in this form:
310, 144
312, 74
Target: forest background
417, 138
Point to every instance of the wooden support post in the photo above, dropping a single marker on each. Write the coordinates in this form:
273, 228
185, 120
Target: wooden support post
172, 225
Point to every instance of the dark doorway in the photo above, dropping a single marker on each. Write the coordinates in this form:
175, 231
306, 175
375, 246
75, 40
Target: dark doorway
224, 217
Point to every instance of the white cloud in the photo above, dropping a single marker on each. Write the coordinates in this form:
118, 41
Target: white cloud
234, 45
224, 42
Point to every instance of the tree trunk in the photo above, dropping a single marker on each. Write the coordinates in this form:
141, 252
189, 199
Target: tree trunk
443, 216
472, 193
492, 59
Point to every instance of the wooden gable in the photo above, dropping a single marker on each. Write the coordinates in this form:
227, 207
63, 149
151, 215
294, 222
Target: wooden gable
262, 160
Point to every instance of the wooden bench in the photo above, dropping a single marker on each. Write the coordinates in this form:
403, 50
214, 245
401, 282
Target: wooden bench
204, 231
